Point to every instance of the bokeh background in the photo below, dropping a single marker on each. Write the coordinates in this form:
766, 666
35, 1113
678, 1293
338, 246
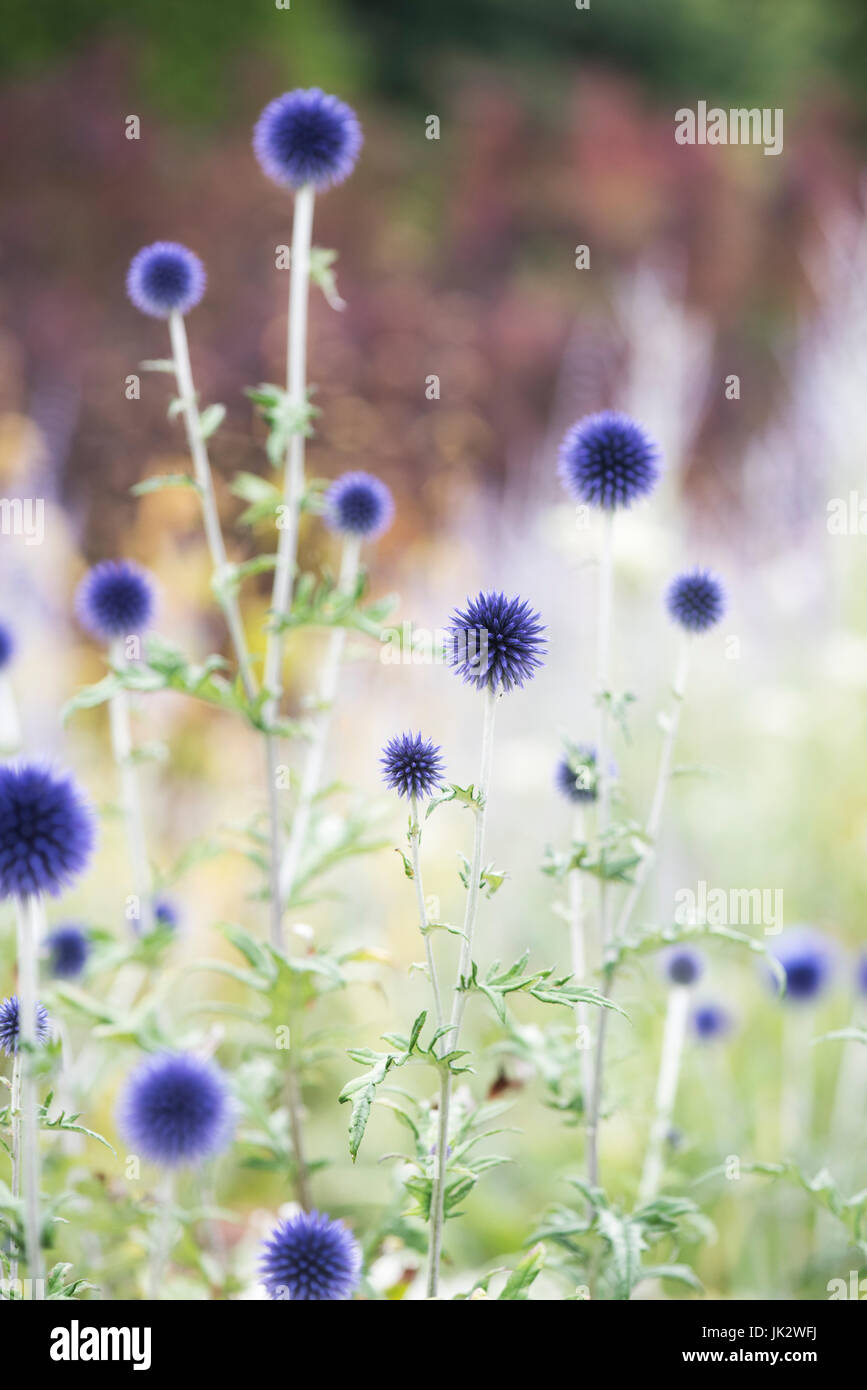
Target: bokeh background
457, 258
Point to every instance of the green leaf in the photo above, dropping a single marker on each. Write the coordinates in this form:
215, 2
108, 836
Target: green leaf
524, 1274
158, 364
210, 420
160, 481
322, 275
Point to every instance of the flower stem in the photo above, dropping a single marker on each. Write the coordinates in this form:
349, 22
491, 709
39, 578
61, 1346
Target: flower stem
161, 1249
312, 774
121, 742
293, 493
15, 1110
296, 1129
578, 954
663, 777
415, 851
30, 923
226, 595
438, 1190
674, 1034
603, 646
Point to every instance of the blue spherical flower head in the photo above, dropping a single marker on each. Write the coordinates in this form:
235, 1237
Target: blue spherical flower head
807, 962
175, 1110
310, 1257
307, 137
47, 831
496, 642
68, 950
10, 1023
7, 646
166, 913
710, 1021
412, 765
696, 600
576, 774
359, 505
608, 461
165, 278
683, 966
115, 599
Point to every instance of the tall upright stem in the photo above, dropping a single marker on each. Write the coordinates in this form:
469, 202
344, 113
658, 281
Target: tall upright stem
312, 774
293, 493
459, 1002
226, 595
15, 1109
415, 852
663, 777
674, 1033
121, 742
30, 922
603, 646
578, 954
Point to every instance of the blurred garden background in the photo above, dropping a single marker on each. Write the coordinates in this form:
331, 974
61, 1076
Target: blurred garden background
457, 259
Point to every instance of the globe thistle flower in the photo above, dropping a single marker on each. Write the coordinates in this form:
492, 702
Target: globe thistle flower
710, 1021
496, 642
307, 137
608, 461
166, 913
68, 949
7, 646
683, 965
47, 831
175, 1109
412, 765
807, 962
576, 775
360, 505
115, 599
10, 1025
310, 1257
165, 278
696, 600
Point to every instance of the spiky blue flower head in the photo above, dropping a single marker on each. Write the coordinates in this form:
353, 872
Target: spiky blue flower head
175, 1109
7, 646
68, 949
310, 1257
10, 1022
165, 278
115, 599
47, 831
607, 460
696, 600
359, 504
496, 641
576, 775
307, 136
412, 765
166, 913
807, 961
683, 965
710, 1021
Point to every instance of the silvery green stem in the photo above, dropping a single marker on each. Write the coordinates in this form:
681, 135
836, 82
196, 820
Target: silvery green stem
161, 1248
438, 1190
674, 1034
227, 597
121, 742
296, 1129
312, 774
15, 1111
30, 928
663, 777
603, 645
578, 954
287, 542
415, 851
10, 724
